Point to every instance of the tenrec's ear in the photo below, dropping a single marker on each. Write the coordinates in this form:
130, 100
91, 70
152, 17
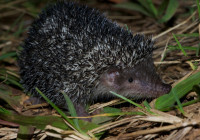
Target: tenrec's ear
110, 77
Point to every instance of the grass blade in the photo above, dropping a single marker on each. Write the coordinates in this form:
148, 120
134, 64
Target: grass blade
148, 4
171, 9
9, 79
181, 89
188, 35
184, 47
9, 54
39, 122
179, 44
178, 101
76, 126
55, 107
153, 8
72, 111
162, 7
127, 100
198, 6
135, 7
198, 50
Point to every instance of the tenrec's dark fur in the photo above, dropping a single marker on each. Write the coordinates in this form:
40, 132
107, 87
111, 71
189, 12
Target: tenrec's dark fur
69, 46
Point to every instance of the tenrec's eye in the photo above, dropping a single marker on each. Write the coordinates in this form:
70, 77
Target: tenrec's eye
130, 80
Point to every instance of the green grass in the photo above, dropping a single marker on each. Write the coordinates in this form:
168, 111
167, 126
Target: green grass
179, 45
180, 90
162, 13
